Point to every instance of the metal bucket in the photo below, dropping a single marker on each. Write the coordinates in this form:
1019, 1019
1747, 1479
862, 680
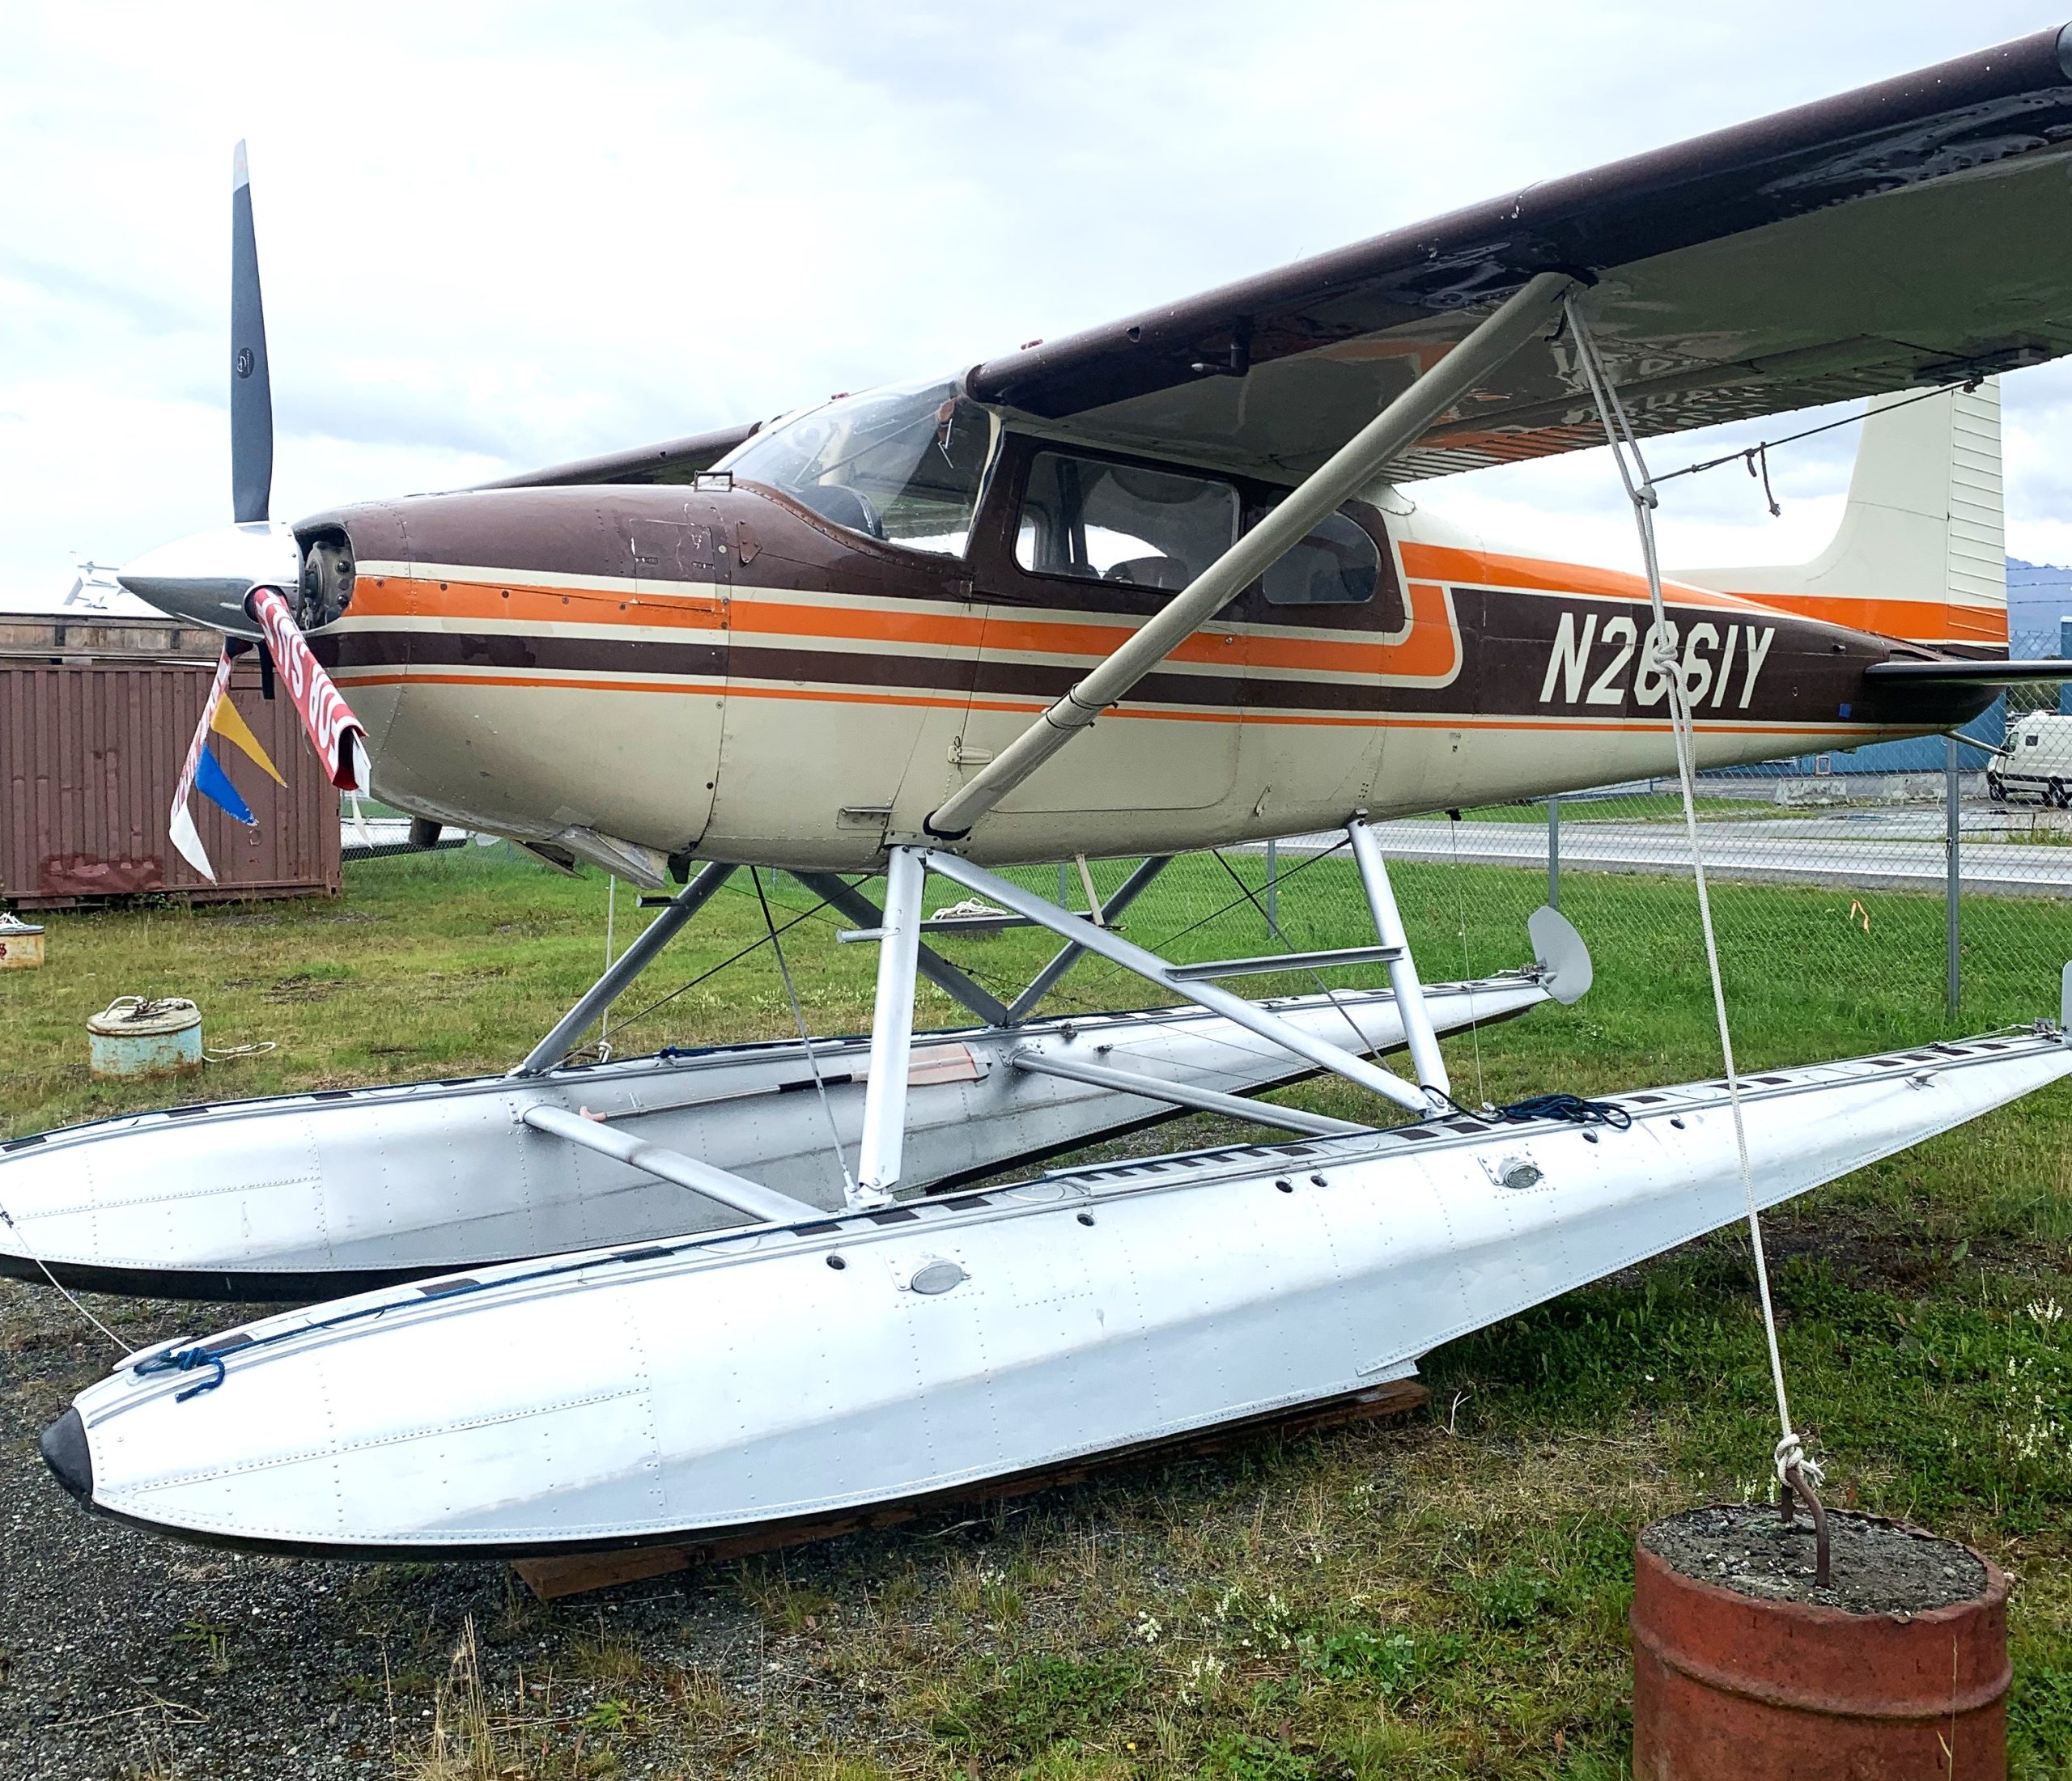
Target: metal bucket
1726, 1685
133, 1037
21, 945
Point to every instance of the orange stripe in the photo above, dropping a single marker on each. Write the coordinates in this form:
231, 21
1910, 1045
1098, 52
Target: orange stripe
1484, 569
1918, 621
403, 596
1430, 650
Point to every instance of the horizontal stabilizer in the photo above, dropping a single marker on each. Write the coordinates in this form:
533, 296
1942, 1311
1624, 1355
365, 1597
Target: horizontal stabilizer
1986, 673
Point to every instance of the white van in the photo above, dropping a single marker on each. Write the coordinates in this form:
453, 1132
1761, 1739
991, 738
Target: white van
2038, 763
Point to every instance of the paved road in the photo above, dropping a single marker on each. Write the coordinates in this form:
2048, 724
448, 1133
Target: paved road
1882, 850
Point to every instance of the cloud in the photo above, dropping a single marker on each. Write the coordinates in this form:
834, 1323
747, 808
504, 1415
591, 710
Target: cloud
498, 235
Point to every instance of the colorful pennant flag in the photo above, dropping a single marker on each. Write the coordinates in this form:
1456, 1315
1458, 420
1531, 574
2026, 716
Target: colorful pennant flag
228, 723
203, 773
214, 784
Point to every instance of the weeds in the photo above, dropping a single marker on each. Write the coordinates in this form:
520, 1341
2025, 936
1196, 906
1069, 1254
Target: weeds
1037, 1701
1442, 1598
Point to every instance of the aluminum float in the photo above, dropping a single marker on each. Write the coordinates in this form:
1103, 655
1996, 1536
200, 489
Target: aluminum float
309, 1195
732, 1380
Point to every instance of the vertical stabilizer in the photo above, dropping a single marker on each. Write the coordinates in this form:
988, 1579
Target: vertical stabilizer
1921, 550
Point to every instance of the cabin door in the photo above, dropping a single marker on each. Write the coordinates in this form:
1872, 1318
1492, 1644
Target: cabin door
1088, 548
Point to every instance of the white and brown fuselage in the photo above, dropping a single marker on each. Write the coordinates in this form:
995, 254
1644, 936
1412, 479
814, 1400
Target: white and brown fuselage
712, 671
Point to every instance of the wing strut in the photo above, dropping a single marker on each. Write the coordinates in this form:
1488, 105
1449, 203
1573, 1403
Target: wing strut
1351, 468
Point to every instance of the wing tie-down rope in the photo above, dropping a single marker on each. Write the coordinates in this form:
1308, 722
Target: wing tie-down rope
1796, 1473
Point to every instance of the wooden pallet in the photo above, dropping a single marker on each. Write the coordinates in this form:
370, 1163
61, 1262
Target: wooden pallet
575, 1574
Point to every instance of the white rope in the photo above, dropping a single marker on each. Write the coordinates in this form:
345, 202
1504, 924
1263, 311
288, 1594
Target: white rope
121, 1347
1641, 491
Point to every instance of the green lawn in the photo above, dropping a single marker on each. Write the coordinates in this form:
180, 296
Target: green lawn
1445, 1598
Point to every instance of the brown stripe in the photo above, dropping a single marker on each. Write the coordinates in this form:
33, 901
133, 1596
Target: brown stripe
1804, 680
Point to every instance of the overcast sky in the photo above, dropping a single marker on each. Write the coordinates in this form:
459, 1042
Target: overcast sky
494, 236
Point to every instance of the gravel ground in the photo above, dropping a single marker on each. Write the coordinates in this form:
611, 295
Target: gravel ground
125, 1655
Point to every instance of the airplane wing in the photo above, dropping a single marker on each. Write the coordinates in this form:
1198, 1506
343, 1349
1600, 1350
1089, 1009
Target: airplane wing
1915, 232
674, 460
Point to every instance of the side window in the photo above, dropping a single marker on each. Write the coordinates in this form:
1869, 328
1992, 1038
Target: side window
1337, 565
1098, 521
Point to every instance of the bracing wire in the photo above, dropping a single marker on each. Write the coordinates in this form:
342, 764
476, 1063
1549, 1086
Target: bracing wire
805, 1038
1361, 1043
713, 971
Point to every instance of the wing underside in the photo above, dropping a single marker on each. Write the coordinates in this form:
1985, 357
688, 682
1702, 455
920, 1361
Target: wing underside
1915, 231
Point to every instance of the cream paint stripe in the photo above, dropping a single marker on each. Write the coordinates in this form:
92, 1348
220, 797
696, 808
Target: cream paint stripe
850, 695
836, 693
818, 642
981, 606
433, 625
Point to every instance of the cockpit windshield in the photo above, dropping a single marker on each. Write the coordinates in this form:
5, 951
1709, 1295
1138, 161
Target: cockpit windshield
902, 464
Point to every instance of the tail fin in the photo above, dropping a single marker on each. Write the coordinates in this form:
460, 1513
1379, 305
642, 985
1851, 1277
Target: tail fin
1921, 550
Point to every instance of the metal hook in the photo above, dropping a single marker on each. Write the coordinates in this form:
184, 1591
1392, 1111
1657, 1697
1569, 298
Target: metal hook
1794, 1482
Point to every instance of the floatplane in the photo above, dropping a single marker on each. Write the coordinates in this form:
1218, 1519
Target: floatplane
1161, 586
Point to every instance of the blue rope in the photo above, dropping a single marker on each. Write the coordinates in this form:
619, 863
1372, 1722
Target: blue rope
1561, 1108
186, 1360
1568, 1109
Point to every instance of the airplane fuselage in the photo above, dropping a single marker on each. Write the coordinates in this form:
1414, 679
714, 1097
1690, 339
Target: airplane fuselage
716, 671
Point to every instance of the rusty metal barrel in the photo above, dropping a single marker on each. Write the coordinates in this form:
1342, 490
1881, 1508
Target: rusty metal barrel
1728, 1684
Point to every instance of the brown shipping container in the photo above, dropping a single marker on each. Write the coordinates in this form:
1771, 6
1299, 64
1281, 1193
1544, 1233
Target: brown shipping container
95, 718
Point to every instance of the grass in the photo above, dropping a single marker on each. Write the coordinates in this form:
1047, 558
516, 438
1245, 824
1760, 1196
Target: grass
1442, 1598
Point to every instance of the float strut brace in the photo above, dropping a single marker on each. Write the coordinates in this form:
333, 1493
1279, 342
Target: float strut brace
838, 893
763, 1204
1250, 1016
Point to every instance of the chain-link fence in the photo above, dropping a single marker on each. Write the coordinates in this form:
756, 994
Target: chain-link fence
1902, 890
1832, 883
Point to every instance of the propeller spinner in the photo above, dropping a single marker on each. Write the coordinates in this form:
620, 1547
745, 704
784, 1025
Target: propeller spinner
240, 579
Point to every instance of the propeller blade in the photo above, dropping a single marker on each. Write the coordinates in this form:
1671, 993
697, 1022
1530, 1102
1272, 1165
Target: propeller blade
251, 388
339, 738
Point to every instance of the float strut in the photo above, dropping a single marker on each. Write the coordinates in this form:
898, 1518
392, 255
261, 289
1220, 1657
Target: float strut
892, 1028
1428, 1067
